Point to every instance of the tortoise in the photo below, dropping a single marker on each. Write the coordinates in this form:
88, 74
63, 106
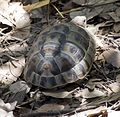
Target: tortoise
62, 54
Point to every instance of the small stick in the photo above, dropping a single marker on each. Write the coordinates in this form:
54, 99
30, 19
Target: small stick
114, 36
37, 5
58, 11
25, 103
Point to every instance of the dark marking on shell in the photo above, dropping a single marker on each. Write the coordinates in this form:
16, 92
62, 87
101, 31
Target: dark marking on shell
66, 61
52, 81
60, 79
43, 81
62, 28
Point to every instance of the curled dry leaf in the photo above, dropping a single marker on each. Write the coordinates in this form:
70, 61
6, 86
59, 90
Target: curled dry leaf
10, 71
19, 86
60, 94
21, 34
85, 93
79, 20
115, 15
13, 14
19, 97
112, 57
115, 87
63, 94
118, 78
16, 48
117, 27
6, 109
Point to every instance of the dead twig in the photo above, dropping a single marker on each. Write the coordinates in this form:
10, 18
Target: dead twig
10, 37
25, 103
114, 36
99, 70
109, 38
8, 56
37, 5
58, 11
104, 113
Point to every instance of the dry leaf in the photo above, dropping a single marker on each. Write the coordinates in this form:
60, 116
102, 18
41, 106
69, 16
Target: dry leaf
37, 5
85, 12
117, 27
100, 7
19, 97
114, 16
6, 109
90, 112
48, 107
68, 5
13, 14
21, 34
91, 94
59, 94
19, 86
117, 12
80, 21
16, 48
79, 2
118, 78
112, 57
115, 87
9, 72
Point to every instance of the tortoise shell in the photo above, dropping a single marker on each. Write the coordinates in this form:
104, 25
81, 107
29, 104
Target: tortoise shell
62, 54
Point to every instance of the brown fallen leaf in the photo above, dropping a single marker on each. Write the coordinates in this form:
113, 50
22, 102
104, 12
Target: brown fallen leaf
85, 93
79, 2
117, 27
118, 78
37, 5
60, 94
13, 14
115, 87
19, 86
113, 57
10, 71
48, 107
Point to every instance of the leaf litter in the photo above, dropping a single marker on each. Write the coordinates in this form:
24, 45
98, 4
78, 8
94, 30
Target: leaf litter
102, 83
